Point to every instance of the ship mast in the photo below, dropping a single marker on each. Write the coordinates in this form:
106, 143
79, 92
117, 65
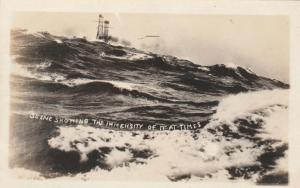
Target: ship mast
105, 34
100, 28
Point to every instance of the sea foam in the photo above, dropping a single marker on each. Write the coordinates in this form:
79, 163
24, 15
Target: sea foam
182, 155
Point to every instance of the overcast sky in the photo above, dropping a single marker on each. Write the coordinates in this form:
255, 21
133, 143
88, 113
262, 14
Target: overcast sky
257, 42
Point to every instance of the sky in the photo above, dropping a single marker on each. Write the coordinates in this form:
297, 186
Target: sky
260, 43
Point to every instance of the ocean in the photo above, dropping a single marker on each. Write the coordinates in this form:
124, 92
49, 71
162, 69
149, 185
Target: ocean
94, 111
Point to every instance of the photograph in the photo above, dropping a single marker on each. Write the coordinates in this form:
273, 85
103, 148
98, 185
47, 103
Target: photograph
151, 97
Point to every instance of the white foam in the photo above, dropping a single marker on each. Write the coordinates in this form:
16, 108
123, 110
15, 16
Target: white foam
234, 66
75, 82
276, 125
139, 56
249, 70
39, 35
267, 105
178, 153
244, 104
20, 70
58, 41
118, 84
203, 68
231, 65
117, 157
130, 55
45, 64
123, 85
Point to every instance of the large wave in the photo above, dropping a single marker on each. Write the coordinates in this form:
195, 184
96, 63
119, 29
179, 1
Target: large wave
244, 114
210, 153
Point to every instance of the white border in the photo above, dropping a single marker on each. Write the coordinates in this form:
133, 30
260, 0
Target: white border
220, 7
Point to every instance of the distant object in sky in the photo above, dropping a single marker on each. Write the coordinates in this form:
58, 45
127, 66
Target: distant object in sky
150, 36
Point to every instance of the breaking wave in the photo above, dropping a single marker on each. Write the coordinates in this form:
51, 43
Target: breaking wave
243, 116
210, 153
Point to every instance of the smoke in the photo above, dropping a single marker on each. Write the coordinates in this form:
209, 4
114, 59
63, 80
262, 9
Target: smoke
125, 43
153, 45
113, 39
69, 32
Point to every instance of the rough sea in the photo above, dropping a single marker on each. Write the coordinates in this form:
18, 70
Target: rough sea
94, 111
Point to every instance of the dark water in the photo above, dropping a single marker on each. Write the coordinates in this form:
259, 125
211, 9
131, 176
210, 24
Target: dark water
75, 78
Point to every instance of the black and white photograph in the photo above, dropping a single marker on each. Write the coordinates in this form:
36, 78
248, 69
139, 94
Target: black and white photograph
140, 93
149, 97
